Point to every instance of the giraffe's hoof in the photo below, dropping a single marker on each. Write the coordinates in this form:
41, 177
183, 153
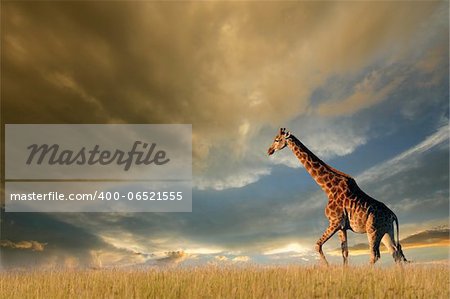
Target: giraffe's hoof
324, 262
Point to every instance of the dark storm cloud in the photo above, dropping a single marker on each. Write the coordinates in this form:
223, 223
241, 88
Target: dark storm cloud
430, 236
59, 243
215, 65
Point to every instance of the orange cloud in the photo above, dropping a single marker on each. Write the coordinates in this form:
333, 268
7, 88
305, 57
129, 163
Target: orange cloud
173, 257
33, 245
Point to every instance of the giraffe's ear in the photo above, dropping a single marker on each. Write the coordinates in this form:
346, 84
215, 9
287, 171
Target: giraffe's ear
287, 134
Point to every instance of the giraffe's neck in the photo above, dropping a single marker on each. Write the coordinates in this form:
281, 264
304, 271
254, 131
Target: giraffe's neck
324, 175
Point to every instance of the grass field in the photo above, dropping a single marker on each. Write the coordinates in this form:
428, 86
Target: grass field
411, 281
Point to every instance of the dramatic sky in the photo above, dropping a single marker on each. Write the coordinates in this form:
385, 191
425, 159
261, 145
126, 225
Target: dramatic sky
364, 85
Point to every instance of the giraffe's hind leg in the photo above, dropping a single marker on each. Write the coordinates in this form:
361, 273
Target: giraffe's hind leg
395, 250
344, 247
388, 241
399, 255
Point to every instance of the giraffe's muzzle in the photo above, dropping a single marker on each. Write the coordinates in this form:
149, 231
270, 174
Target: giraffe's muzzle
270, 151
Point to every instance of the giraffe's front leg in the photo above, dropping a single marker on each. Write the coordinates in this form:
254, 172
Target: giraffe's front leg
343, 237
331, 230
374, 238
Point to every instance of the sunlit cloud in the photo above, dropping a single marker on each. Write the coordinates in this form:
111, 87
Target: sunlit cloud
173, 258
32, 245
203, 250
290, 248
241, 258
222, 259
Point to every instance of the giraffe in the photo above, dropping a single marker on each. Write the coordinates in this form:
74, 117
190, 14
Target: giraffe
348, 207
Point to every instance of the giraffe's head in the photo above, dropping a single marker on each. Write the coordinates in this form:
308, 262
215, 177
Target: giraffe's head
280, 141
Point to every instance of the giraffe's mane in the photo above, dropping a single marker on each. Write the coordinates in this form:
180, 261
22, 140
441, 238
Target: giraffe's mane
338, 171
332, 169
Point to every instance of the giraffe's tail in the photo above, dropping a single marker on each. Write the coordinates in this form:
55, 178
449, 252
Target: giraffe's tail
398, 235
398, 255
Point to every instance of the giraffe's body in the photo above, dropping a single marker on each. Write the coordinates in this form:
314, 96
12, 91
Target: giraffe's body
348, 206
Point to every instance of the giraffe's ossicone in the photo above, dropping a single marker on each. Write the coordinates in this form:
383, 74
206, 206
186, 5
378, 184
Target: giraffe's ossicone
348, 207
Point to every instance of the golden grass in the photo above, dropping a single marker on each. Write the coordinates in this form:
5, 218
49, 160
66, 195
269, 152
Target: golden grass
410, 281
